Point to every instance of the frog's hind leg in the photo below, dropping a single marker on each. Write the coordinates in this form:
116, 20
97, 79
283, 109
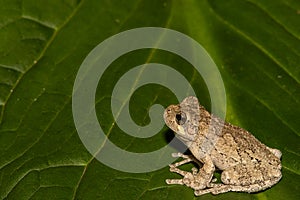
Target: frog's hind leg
218, 188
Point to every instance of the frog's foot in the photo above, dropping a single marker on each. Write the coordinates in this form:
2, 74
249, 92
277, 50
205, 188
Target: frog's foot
189, 178
196, 179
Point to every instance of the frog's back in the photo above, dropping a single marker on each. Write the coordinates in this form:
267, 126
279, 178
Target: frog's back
250, 148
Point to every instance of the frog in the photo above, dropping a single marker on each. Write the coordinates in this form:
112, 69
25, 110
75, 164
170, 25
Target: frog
245, 164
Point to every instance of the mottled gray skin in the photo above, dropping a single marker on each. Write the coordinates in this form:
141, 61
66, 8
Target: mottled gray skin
247, 165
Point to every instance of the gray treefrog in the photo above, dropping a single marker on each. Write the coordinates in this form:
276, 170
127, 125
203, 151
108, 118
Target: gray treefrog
247, 165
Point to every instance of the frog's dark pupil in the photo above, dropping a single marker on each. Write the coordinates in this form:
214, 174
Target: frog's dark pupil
178, 117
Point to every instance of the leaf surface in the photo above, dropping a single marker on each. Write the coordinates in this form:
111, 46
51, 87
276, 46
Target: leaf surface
255, 45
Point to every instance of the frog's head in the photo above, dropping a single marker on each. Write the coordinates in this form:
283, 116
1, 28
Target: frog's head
184, 119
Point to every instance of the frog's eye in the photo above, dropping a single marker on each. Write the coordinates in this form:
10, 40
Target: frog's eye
180, 118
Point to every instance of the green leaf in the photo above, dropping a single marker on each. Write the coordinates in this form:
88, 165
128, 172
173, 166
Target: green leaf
255, 44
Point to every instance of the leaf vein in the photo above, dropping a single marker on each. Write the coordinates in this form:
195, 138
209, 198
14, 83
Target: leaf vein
274, 18
259, 46
40, 56
266, 106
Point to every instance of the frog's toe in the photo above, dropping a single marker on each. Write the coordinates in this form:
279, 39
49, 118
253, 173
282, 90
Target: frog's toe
174, 181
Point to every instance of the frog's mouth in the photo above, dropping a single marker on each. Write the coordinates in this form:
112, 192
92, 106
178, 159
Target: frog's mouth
182, 137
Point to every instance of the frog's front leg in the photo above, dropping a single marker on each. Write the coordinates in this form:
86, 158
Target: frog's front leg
186, 159
196, 180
